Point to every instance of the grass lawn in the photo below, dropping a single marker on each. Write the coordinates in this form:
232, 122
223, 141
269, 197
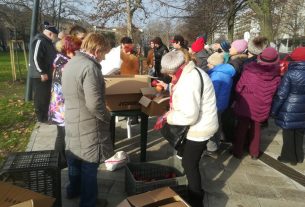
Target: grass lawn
17, 117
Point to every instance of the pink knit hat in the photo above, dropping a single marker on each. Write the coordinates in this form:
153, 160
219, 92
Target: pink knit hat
240, 45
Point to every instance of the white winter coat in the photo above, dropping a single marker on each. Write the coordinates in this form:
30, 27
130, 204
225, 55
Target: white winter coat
188, 108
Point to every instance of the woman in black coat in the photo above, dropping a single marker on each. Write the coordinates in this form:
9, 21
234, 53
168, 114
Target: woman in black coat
289, 109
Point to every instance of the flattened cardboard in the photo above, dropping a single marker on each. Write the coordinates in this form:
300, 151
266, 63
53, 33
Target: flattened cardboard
125, 84
12, 195
123, 92
159, 197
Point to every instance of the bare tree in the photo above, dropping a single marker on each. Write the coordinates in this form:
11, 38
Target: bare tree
204, 19
115, 11
234, 6
262, 9
294, 18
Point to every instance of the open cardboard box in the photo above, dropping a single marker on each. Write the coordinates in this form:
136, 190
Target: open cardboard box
123, 92
164, 197
14, 196
153, 105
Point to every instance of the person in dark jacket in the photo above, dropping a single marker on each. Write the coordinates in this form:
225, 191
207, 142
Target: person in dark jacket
87, 120
179, 43
41, 62
160, 50
255, 90
288, 108
201, 54
66, 48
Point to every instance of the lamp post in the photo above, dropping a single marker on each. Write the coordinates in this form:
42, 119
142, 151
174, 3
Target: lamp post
28, 89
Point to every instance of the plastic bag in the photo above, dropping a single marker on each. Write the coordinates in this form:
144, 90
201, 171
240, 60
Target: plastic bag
118, 160
112, 62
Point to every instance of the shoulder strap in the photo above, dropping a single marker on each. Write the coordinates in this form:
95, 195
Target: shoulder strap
201, 80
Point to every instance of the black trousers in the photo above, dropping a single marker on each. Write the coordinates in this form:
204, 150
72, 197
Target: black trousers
190, 162
60, 146
42, 95
292, 149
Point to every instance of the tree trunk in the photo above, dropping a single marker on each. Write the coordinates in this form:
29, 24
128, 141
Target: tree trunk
230, 24
263, 12
265, 23
129, 19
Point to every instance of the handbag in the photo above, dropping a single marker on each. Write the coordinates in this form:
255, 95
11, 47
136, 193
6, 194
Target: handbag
176, 134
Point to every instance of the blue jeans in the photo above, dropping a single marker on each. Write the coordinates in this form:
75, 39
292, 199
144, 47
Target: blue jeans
83, 181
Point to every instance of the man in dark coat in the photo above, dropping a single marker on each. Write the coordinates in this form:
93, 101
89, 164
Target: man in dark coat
41, 62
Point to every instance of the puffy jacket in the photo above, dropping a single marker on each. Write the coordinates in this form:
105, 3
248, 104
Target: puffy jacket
222, 78
289, 103
43, 56
255, 90
87, 121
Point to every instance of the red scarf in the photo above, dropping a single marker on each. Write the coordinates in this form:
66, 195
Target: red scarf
175, 80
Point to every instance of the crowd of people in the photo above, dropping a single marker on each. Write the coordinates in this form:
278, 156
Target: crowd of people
223, 92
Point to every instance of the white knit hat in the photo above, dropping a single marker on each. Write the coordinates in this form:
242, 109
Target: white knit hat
216, 59
172, 61
257, 45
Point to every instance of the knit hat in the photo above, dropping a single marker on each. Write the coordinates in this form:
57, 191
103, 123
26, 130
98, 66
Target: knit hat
198, 45
49, 27
257, 45
269, 56
171, 61
225, 45
216, 59
240, 45
298, 54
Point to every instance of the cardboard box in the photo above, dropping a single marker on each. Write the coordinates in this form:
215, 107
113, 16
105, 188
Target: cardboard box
123, 92
152, 105
19, 197
165, 197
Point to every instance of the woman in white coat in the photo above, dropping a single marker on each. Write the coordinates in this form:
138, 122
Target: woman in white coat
189, 107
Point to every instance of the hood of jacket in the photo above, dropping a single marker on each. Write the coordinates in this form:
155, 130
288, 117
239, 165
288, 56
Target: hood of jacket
265, 72
223, 68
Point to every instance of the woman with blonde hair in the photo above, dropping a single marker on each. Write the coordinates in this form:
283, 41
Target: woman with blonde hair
87, 120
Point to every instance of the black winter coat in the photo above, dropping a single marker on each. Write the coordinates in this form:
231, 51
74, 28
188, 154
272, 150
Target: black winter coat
158, 53
43, 56
289, 103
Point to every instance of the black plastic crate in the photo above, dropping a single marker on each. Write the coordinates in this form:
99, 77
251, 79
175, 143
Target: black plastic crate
36, 170
143, 177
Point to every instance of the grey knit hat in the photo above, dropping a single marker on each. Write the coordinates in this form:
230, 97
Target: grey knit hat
172, 61
216, 59
257, 45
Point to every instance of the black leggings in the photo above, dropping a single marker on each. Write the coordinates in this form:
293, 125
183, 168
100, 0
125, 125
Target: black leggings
190, 162
60, 145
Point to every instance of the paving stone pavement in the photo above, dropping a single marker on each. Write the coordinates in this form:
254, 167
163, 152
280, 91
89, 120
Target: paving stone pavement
227, 181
